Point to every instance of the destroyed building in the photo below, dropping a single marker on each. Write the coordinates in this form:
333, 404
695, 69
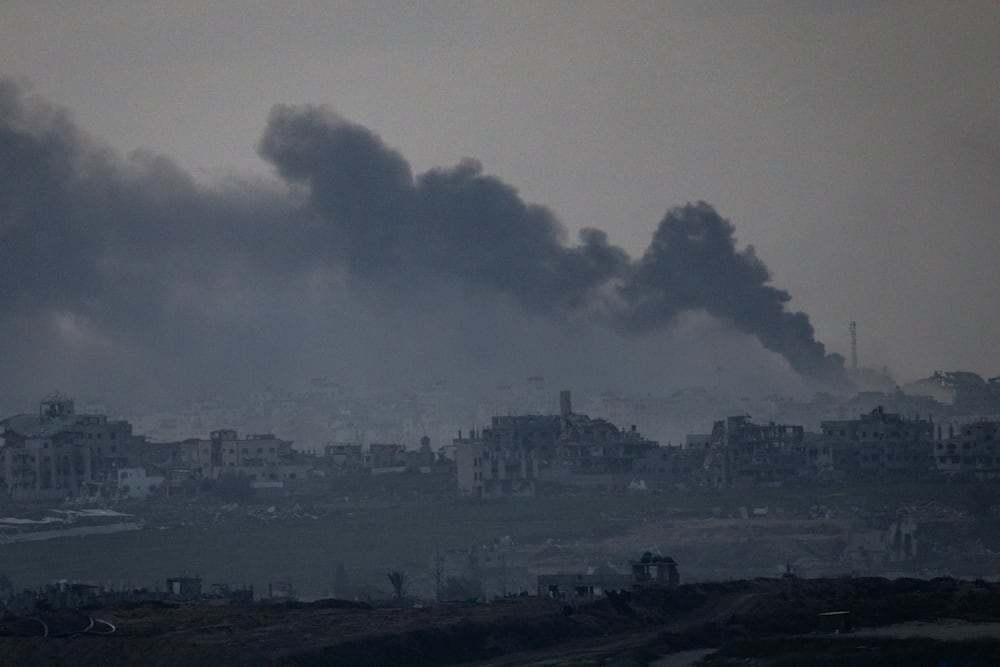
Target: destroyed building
508, 457
876, 445
741, 453
597, 446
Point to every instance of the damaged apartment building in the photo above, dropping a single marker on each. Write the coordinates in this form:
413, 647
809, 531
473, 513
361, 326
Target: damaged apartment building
876, 445
510, 456
58, 453
740, 453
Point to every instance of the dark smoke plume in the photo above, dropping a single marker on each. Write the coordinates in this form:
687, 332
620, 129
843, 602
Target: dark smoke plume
447, 224
459, 224
140, 271
693, 263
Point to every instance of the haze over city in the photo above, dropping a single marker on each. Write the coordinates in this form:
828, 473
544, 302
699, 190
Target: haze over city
203, 200
520, 333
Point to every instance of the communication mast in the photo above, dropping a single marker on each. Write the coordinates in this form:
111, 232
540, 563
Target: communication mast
854, 346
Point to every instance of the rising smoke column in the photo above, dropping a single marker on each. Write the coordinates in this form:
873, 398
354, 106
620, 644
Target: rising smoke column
692, 263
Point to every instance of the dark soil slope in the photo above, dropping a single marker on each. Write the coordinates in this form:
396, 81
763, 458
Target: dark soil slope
626, 628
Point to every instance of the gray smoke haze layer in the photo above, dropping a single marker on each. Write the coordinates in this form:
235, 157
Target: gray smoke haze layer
129, 275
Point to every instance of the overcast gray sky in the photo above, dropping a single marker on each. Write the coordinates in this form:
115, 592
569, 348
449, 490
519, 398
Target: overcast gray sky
855, 145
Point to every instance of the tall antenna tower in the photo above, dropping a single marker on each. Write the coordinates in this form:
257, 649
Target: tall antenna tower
854, 346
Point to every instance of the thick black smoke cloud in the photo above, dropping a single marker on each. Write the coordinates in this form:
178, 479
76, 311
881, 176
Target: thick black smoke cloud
693, 263
447, 224
460, 224
151, 274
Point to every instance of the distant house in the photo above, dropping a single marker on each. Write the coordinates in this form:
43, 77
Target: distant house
343, 457
185, 588
261, 458
135, 483
382, 458
649, 570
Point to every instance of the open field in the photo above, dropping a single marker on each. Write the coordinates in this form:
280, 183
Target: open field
403, 521
367, 540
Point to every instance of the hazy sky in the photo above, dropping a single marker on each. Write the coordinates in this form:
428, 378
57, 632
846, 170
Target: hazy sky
855, 145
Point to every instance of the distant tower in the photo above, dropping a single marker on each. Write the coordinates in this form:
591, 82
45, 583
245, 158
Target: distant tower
565, 408
854, 346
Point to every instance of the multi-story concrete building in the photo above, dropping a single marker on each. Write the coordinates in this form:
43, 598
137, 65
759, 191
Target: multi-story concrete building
58, 453
973, 451
505, 459
598, 446
489, 467
262, 458
746, 454
510, 455
880, 444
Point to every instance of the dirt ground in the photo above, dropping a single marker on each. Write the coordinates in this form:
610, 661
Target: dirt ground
721, 623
